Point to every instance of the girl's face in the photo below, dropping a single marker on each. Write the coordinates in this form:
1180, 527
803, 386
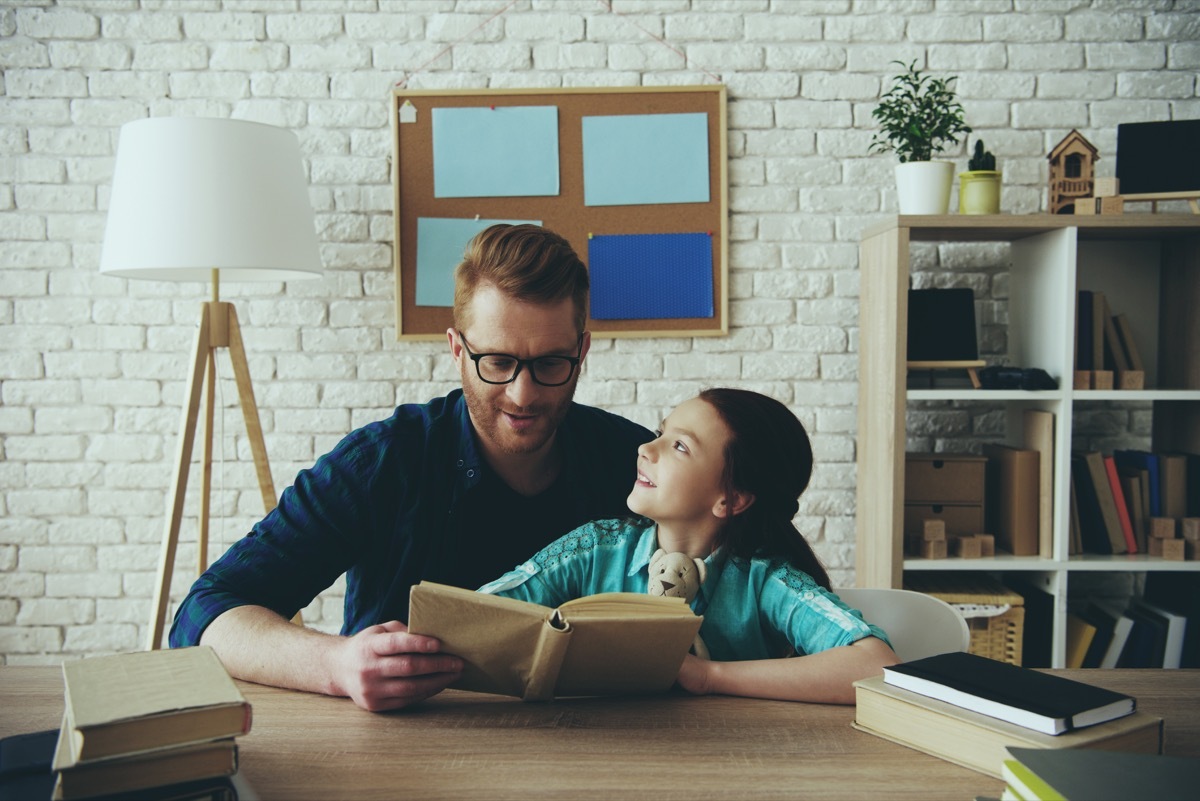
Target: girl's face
679, 472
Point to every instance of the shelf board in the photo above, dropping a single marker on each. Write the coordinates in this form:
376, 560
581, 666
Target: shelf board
1094, 563
1010, 227
1136, 395
968, 394
1128, 562
1002, 561
1079, 395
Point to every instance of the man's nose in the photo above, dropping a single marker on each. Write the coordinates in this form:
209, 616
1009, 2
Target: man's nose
523, 389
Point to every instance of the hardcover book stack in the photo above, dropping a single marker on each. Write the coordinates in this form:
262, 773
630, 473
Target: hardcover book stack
153, 724
968, 710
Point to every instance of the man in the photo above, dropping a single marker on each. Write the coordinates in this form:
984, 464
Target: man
457, 490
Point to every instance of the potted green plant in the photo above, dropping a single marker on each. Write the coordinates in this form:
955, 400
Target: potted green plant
920, 117
979, 186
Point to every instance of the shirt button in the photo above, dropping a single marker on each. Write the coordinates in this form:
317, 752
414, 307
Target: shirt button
808, 596
460, 462
470, 474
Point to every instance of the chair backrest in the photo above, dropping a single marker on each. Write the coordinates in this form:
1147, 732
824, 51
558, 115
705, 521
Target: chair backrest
918, 625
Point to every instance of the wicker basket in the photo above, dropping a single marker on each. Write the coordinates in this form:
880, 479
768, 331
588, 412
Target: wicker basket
997, 637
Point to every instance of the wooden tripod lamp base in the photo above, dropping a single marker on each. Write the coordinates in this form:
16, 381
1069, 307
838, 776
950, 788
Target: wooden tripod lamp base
218, 328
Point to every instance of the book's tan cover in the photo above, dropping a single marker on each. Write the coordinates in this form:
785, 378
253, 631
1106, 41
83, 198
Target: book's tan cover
1172, 468
1098, 476
606, 644
1013, 479
126, 703
979, 742
1038, 435
168, 766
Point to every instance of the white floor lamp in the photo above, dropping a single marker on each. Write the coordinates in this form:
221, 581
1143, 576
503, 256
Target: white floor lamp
192, 199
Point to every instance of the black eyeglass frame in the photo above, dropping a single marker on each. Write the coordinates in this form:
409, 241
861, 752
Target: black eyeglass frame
521, 363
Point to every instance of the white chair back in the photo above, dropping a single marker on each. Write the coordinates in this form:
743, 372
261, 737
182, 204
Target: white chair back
918, 625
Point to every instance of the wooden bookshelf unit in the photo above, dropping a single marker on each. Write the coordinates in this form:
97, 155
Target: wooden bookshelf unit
1148, 263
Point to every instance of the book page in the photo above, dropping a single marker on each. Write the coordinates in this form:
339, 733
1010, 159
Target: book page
625, 604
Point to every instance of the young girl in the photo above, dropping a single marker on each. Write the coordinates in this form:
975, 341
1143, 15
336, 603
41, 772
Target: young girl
721, 482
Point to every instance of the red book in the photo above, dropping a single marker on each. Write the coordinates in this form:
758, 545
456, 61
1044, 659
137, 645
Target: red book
1110, 467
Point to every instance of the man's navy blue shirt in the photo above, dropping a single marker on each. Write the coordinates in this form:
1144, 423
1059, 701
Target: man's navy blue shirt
409, 499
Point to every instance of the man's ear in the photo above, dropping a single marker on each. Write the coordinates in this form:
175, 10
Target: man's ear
741, 501
455, 344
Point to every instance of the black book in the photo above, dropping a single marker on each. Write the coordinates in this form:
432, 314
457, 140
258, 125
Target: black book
1039, 701
1039, 623
1095, 522
1083, 333
1103, 624
1147, 640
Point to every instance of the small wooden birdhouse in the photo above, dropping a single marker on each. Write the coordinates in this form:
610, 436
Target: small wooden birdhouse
1072, 172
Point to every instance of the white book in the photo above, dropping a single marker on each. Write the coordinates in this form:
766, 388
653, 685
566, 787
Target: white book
1122, 625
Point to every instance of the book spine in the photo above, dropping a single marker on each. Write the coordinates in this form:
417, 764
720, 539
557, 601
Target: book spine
1122, 508
548, 657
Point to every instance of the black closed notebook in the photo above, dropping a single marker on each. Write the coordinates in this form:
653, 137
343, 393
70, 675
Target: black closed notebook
1023, 696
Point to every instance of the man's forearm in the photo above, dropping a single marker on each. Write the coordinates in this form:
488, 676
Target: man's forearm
256, 644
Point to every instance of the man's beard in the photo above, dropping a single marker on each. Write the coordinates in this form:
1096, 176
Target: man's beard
491, 424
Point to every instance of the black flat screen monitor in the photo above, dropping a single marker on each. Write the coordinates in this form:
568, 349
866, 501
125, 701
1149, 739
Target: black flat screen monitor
941, 325
1157, 157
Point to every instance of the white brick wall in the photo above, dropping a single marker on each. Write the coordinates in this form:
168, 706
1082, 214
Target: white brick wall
91, 367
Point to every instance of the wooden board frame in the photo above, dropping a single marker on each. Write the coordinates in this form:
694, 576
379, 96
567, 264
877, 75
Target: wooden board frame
566, 214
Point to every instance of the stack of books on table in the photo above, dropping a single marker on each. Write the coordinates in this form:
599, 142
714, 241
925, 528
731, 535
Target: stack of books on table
1087, 775
969, 709
153, 724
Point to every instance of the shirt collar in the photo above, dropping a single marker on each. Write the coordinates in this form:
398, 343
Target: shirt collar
647, 545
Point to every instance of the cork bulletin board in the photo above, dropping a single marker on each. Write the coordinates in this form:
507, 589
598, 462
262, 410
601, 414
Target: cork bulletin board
635, 179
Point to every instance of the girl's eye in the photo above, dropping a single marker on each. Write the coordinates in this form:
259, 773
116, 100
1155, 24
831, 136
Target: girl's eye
679, 446
657, 433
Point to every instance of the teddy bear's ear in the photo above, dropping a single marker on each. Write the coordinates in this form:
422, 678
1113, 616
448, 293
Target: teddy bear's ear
701, 570
657, 557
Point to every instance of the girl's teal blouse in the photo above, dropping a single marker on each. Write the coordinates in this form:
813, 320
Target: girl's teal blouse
753, 609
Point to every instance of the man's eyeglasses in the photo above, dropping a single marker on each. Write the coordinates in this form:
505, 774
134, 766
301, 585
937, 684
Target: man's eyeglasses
502, 368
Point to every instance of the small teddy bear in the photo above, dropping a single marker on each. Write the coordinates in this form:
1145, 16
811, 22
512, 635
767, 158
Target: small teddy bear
677, 575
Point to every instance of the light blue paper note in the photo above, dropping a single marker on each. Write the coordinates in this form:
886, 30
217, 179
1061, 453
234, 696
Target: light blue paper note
440, 245
651, 276
645, 158
507, 151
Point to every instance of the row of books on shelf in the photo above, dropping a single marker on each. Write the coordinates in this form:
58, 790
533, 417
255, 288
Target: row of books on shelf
1104, 343
1158, 627
1141, 635
151, 724
968, 709
1134, 501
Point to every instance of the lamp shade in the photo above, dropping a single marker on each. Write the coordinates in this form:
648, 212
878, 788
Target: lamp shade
190, 195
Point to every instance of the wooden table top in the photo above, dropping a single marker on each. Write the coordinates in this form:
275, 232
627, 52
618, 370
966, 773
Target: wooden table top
464, 745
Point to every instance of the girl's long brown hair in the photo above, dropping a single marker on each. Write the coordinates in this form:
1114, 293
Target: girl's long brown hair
770, 457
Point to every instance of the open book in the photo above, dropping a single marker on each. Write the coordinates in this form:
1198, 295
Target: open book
608, 644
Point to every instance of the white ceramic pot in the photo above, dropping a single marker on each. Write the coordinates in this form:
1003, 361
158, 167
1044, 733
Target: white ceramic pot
923, 187
979, 192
